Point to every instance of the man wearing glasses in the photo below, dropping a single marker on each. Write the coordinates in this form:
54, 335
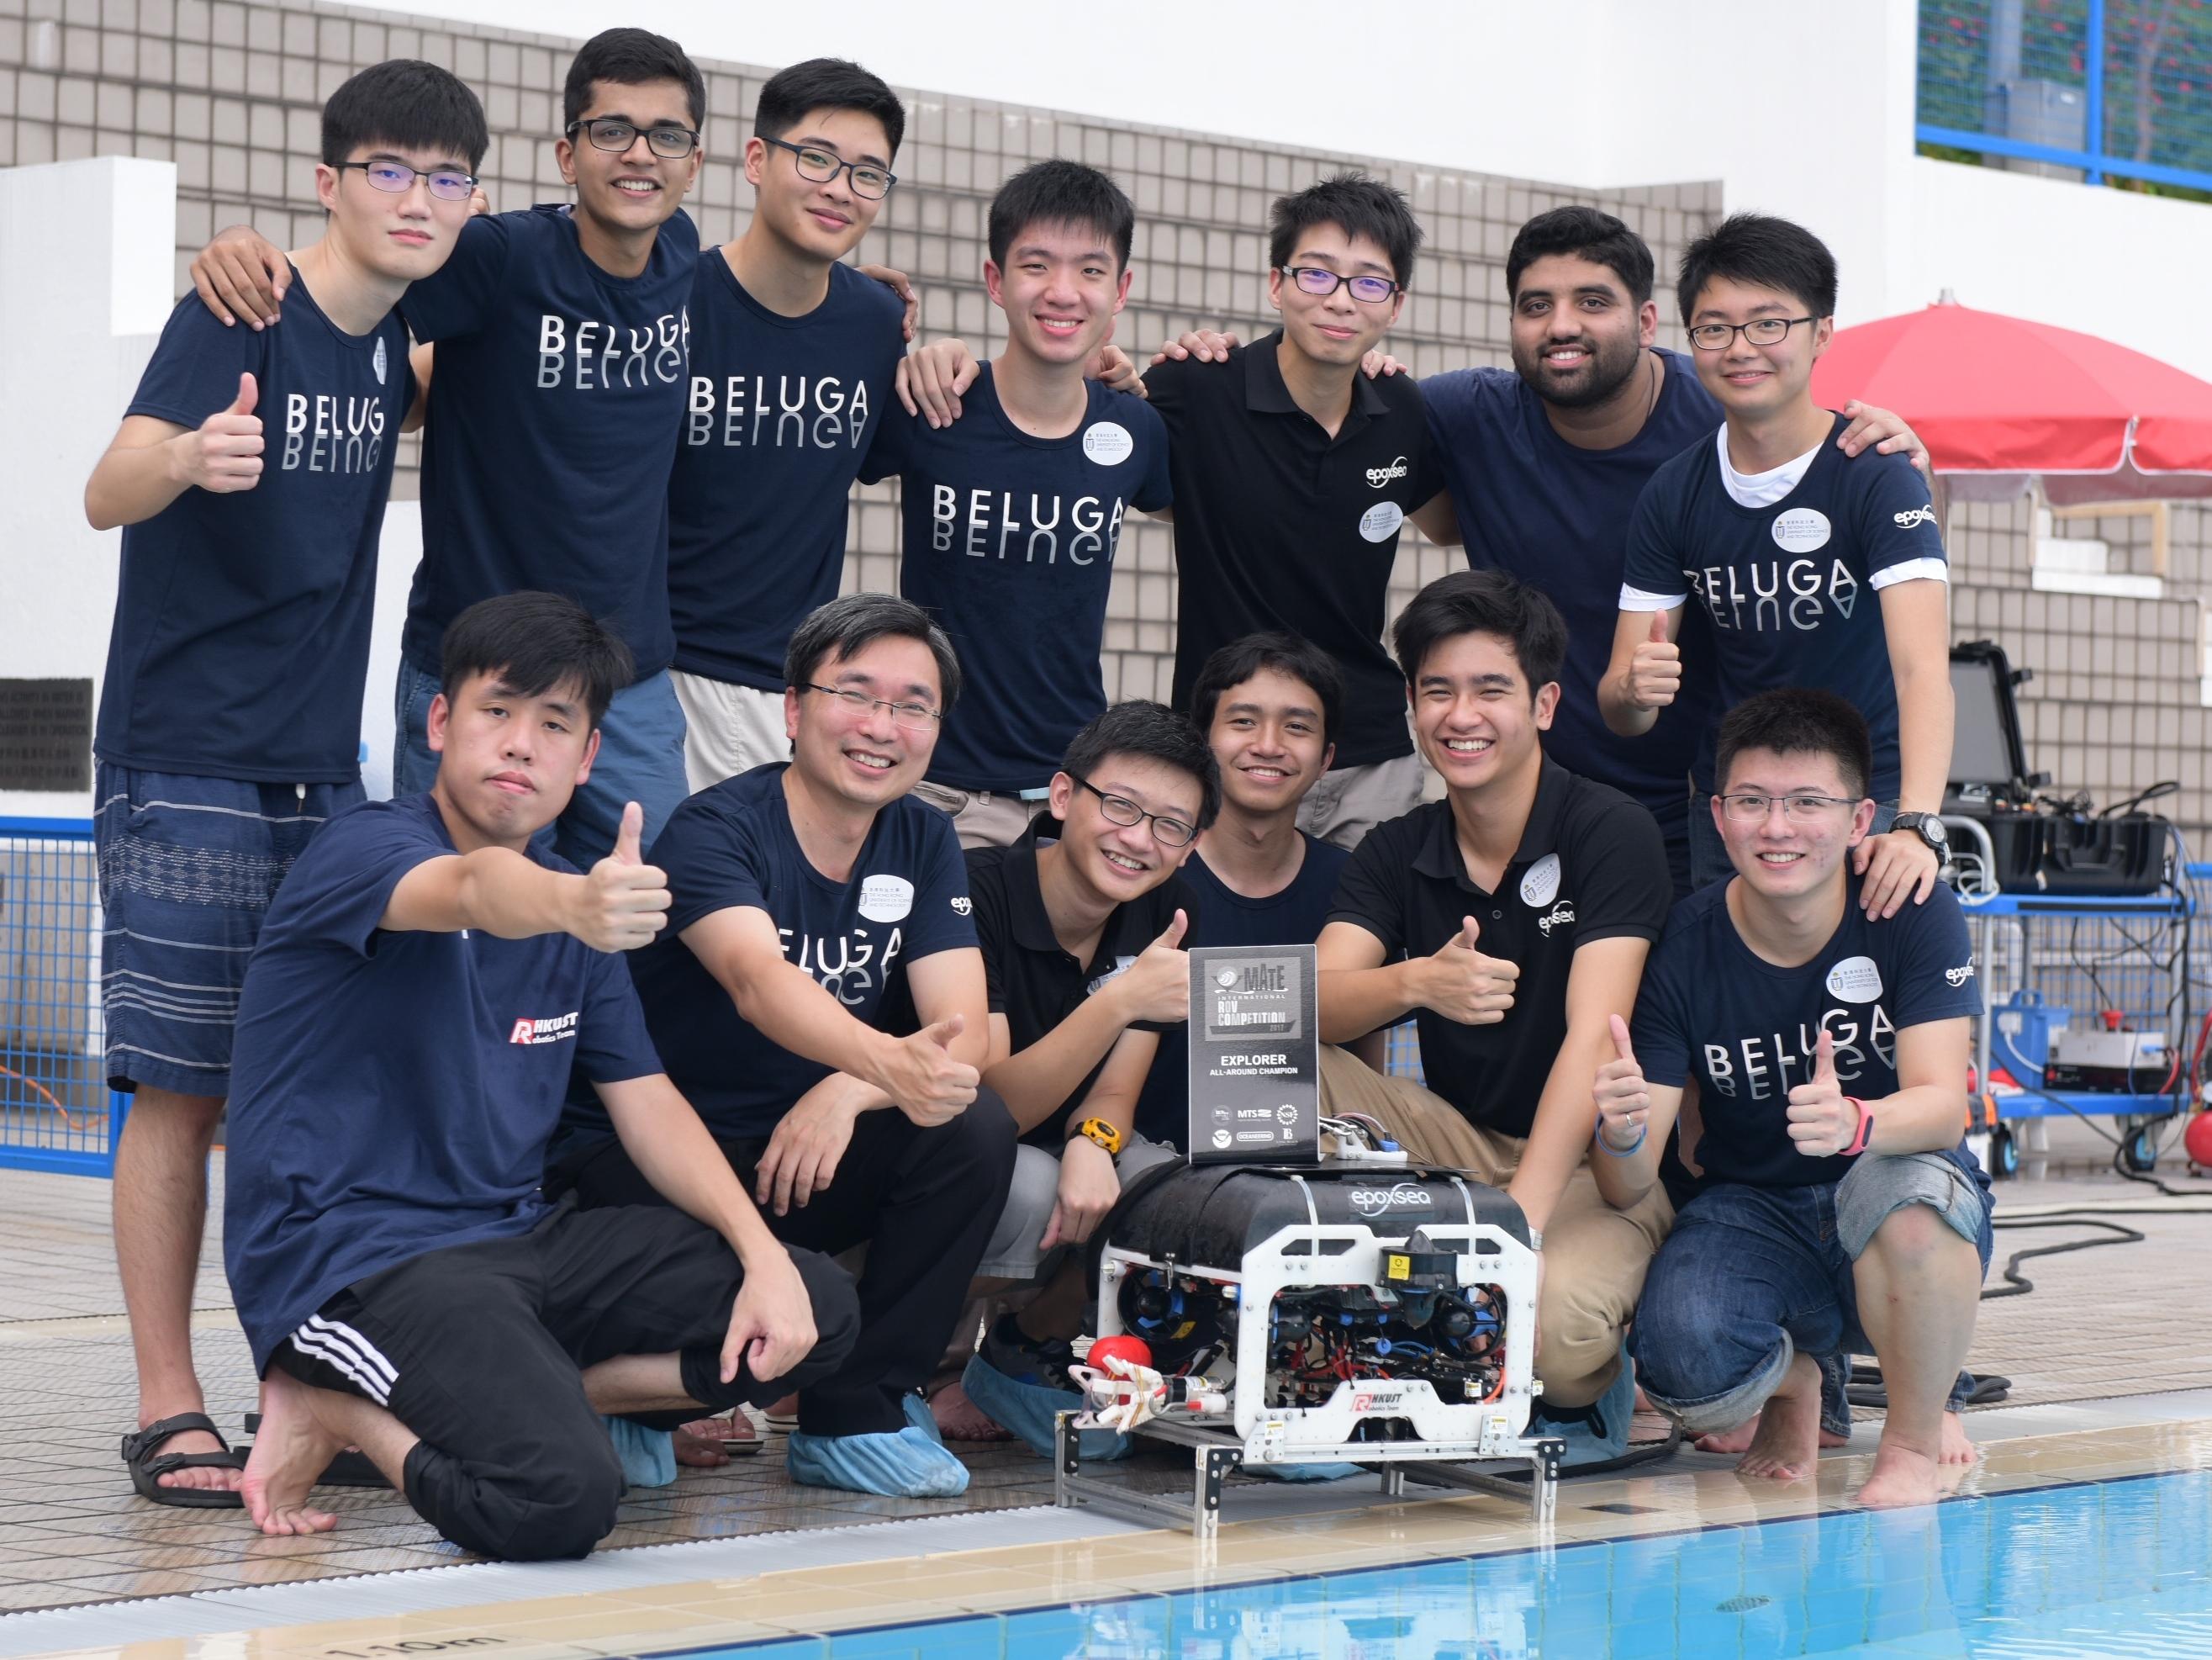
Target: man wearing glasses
1809, 566
1816, 1051
562, 368
1014, 511
819, 997
1081, 924
1293, 474
250, 474
792, 358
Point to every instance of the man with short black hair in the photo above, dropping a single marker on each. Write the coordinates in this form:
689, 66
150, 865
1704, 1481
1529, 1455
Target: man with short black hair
1081, 924
1510, 920
426, 985
819, 996
563, 335
794, 356
1824, 1222
250, 475
1013, 510
1269, 705
1294, 473
1810, 567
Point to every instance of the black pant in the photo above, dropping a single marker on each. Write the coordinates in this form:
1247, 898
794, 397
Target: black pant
479, 1349
928, 1198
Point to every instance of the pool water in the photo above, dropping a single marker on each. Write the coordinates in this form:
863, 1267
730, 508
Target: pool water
2120, 1569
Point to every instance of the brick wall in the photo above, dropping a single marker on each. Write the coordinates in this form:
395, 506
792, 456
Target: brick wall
230, 92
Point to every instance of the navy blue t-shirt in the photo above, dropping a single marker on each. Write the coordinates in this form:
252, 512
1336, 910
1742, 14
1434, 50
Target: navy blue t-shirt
240, 639
782, 410
1712, 1009
557, 401
392, 1093
731, 845
1223, 916
1557, 516
1790, 592
1009, 541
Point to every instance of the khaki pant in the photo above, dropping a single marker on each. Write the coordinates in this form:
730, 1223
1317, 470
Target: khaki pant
980, 819
728, 729
1595, 1257
1343, 806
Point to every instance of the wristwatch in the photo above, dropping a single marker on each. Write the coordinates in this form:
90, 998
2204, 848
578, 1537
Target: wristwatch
1928, 827
1098, 1130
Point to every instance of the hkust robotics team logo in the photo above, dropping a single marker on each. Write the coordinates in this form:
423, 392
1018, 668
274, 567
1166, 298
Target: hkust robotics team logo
551, 1029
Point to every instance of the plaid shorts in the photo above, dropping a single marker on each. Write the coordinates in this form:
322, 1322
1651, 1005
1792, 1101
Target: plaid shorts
187, 867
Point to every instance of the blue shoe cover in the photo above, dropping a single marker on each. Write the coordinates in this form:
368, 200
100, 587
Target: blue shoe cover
649, 1457
1030, 1411
1594, 1434
920, 1416
904, 1463
1302, 1472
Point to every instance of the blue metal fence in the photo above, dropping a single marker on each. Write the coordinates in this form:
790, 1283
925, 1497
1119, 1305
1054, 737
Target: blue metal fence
2117, 91
56, 1110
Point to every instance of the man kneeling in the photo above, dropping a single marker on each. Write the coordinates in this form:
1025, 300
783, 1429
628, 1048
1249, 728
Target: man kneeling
1824, 1222
425, 981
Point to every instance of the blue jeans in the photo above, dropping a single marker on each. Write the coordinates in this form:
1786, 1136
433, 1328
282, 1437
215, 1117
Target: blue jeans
1752, 1276
641, 759
1709, 860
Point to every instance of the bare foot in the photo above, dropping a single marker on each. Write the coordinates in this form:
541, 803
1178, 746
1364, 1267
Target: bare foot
1788, 1444
1739, 1438
208, 1478
291, 1450
959, 1419
1902, 1475
698, 1452
1958, 1447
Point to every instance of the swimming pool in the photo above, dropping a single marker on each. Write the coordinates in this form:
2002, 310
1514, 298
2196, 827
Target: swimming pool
2120, 1569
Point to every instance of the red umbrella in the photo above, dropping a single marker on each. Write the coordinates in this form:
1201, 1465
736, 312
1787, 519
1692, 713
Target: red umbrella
1998, 399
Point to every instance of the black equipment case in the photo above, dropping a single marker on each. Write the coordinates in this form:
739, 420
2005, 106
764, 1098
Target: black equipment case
2040, 847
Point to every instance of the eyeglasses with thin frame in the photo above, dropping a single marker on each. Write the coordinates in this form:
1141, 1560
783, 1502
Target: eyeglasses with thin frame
1168, 830
396, 178
821, 166
606, 133
1316, 280
1801, 808
915, 717
1760, 332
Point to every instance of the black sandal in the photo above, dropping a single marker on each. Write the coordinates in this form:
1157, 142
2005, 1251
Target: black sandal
147, 1465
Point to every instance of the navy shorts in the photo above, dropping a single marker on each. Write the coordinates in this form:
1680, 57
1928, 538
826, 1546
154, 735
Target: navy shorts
187, 867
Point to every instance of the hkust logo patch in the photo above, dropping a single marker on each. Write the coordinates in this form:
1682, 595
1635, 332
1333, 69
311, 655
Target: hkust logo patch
377, 360
1855, 980
551, 1029
1540, 885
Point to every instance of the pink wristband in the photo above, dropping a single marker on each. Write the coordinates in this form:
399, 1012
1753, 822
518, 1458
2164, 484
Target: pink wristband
1866, 1126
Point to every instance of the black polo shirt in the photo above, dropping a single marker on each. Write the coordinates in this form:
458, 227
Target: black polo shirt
1590, 865
1279, 525
1029, 979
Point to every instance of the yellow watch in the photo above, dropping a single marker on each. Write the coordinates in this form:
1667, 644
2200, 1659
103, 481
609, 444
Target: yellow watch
1098, 1130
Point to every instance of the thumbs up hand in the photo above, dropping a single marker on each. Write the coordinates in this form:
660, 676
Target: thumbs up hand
924, 1078
1823, 1120
1624, 1100
224, 453
1157, 986
623, 902
1460, 982
1655, 673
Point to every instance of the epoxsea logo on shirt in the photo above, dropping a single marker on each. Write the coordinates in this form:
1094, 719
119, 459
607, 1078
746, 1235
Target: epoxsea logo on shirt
1380, 522
1107, 443
1855, 980
1540, 885
1379, 476
886, 898
551, 1029
1801, 530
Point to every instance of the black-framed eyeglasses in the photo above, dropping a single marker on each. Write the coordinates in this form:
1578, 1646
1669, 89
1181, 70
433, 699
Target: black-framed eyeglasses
1760, 332
1315, 279
1167, 830
915, 717
396, 178
607, 133
821, 166
1752, 808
